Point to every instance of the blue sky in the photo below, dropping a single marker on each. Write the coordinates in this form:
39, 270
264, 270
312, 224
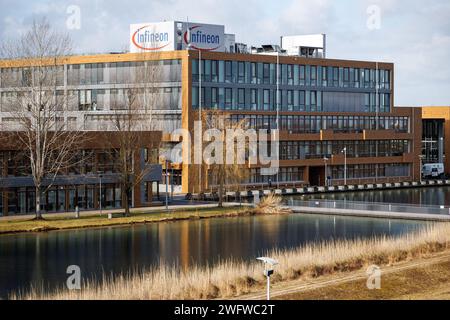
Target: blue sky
414, 35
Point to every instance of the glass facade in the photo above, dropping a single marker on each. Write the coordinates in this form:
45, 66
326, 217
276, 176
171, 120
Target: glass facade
82, 191
285, 174
302, 87
365, 171
293, 150
102, 86
313, 124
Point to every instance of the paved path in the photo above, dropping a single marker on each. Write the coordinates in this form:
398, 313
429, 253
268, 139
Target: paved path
180, 206
298, 286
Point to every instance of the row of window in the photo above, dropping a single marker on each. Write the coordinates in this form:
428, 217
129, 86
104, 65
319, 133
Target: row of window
362, 171
16, 163
161, 98
288, 100
289, 74
98, 73
313, 124
59, 198
285, 174
25, 77
294, 150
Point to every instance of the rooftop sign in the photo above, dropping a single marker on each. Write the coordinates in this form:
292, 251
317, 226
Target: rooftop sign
175, 35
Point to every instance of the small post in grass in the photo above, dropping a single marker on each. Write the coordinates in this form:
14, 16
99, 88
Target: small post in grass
269, 263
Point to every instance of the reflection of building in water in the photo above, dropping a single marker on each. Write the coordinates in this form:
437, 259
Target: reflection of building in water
184, 245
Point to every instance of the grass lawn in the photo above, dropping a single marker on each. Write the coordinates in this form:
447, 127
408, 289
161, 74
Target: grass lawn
58, 222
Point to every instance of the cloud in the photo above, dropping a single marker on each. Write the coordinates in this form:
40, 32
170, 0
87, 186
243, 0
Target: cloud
414, 35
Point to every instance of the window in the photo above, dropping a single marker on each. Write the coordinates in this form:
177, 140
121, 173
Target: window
335, 76
290, 100
266, 99
346, 78
266, 73
228, 74
87, 100
253, 73
324, 76
253, 99
228, 98
302, 75
214, 98
313, 100
290, 74
313, 75
207, 70
302, 100
241, 98
214, 71
241, 72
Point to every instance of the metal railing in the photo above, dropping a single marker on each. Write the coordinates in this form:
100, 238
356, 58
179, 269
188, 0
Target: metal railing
370, 206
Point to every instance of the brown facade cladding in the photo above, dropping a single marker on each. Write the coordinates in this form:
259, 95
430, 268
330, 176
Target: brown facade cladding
314, 169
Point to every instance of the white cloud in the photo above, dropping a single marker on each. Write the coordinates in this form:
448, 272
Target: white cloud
414, 35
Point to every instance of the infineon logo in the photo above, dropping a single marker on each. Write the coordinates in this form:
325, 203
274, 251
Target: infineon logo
147, 39
201, 40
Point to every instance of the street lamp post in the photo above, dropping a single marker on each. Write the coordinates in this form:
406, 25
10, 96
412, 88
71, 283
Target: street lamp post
420, 167
325, 159
269, 263
100, 195
189, 47
167, 185
345, 165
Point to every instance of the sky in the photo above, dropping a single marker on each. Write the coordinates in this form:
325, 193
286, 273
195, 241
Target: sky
413, 34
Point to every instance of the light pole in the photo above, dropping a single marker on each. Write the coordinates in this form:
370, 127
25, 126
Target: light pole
278, 106
167, 185
171, 183
345, 165
269, 263
199, 112
189, 46
100, 195
325, 159
420, 167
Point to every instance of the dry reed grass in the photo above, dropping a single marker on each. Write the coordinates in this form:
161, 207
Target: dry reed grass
231, 279
271, 204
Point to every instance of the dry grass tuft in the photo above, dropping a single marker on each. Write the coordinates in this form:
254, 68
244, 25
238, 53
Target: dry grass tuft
231, 278
271, 204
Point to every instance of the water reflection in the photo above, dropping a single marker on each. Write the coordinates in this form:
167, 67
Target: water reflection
419, 196
27, 259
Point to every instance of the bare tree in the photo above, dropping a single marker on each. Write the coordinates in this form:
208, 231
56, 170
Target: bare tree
132, 117
32, 71
225, 170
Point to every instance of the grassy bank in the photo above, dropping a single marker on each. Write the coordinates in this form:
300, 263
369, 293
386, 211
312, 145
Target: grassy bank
269, 205
431, 281
59, 222
231, 278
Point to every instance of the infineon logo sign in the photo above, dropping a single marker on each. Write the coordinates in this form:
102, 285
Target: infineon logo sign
176, 35
204, 37
151, 37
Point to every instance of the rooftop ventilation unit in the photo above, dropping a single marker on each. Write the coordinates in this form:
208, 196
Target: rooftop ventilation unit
308, 46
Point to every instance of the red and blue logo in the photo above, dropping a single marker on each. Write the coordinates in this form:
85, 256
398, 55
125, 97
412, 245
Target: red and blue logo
149, 40
200, 40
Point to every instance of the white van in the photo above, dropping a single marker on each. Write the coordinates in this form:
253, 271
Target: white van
433, 170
